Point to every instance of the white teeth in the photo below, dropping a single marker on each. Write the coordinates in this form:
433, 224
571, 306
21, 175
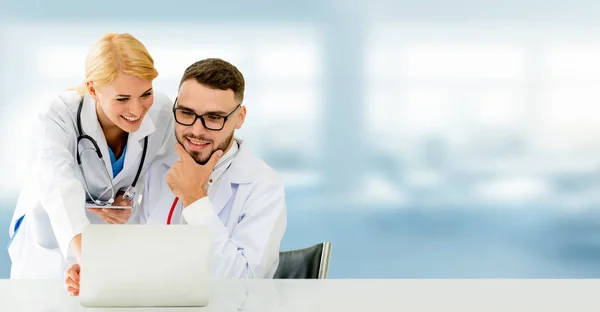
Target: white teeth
197, 142
132, 119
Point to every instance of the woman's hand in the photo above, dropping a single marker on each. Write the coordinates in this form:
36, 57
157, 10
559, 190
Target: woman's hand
114, 216
72, 279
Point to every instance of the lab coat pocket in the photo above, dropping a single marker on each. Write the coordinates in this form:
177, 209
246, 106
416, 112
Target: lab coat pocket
14, 244
29, 260
42, 229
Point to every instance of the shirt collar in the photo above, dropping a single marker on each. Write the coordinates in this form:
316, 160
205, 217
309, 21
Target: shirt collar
223, 163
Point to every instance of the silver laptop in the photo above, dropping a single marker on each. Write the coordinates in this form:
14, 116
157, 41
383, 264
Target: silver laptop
145, 266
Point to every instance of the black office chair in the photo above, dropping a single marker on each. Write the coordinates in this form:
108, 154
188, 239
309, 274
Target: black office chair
307, 263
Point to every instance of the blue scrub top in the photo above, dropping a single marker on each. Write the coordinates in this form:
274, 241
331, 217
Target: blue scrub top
117, 164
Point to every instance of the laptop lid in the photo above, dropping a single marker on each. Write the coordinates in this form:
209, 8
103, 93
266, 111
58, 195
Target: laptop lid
126, 265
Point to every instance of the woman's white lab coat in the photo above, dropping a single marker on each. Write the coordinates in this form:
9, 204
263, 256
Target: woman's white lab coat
53, 197
246, 211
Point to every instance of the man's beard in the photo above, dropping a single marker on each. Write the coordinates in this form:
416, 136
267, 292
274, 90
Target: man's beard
196, 155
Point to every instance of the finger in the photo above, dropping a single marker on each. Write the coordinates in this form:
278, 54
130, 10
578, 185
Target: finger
73, 272
183, 154
122, 217
72, 291
102, 215
117, 213
108, 218
177, 165
67, 277
119, 216
169, 178
172, 177
122, 202
72, 284
119, 200
214, 158
112, 220
106, 214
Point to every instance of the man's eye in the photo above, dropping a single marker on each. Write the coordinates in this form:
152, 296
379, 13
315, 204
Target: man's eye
214, 117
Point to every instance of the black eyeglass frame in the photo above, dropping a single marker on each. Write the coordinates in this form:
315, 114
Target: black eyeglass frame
201, 117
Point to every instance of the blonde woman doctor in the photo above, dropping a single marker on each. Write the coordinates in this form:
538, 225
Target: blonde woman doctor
93, 145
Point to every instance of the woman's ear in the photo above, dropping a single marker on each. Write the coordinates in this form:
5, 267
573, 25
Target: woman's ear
92, 90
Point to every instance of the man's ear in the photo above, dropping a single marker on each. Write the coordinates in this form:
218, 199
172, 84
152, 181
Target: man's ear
241, 118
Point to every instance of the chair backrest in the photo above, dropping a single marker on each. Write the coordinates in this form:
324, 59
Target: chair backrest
307, 263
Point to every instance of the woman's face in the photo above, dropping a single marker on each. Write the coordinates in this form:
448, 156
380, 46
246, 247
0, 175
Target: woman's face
124, 103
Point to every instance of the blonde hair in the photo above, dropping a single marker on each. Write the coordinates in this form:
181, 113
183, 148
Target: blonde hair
114, 53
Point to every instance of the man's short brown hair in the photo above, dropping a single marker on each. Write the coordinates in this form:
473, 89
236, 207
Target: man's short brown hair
217, 74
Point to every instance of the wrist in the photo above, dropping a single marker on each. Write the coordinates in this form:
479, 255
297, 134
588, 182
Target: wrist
190, 199
76, 247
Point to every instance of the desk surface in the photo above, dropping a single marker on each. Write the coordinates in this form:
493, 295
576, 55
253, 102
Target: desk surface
350, 295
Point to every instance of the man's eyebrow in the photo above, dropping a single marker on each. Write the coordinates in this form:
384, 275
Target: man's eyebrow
216, 113
183, 107
207, 113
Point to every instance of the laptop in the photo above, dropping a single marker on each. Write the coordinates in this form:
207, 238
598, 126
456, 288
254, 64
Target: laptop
132, 265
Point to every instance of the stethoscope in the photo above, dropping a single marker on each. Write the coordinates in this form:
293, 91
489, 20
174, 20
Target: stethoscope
174, 204
129, 193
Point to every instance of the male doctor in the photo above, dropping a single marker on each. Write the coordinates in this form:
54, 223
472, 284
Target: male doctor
214, 179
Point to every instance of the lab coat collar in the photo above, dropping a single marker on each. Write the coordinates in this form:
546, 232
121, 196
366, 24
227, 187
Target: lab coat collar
240, 172
225, 161
223, 192
91, 126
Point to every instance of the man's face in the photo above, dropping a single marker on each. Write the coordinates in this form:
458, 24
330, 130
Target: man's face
215, 105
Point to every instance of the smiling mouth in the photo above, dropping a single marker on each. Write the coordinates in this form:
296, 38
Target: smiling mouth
131, 119
197, 142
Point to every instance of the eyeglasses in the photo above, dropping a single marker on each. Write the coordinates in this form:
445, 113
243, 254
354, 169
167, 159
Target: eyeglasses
210, 121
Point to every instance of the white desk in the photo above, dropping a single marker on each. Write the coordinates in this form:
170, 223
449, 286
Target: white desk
349, 295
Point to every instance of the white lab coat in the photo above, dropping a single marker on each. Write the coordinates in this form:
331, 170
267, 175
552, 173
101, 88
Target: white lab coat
52, 199
246, 212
